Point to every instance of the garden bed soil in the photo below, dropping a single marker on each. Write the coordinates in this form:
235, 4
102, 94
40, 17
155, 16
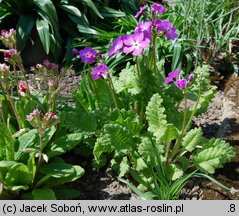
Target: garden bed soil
221, 120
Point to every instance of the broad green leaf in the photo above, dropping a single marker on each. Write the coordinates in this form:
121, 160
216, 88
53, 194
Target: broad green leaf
18, 177
24, 107
43, 194
57, 168
87, 30
6, 143
110, 12
49, 11
192, 139
155, 114
177, 58
24, 28
61, 172
65, 193
90, 4
31, 140
72, 10
44, 34
64, 144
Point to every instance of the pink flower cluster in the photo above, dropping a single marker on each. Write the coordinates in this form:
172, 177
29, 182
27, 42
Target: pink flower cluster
8, 38
90, 56
181, 83
133, 44
47, 120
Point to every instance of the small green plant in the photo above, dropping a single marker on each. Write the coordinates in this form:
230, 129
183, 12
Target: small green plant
142, 117
31, 131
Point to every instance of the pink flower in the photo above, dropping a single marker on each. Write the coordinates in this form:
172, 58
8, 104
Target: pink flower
29, 117
46, 63
11, 53
99, 71
167, 27
4, 68
22, 86
157, 8
88, 55
181, 83
140, 12
54, 66
51, 83
135, 43
116, 46
144, 27
190, 77
35, 112
75, 51
172, 76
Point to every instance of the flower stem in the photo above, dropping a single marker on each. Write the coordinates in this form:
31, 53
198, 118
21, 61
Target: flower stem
41, 135
113, 92
9, 98
183, 130
154, 57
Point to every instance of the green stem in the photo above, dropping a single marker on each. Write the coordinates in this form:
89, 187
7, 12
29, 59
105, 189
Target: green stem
8, 98
154, 57
41, 135
183, 130
113, 92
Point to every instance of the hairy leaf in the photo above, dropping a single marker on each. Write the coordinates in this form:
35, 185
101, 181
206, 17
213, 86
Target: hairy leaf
192, 139
216, 153
155, 114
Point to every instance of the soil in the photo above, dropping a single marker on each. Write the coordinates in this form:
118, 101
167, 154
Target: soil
221, 120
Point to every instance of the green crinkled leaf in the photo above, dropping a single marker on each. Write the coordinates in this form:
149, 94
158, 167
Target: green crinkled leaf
173, 172
192, 139
155, 114
201, 84
43, 194
214, 155
113, 137
6, 143
130, 120
146, 150
81, 122
124, 167
227, 151
102, 145
64, 144
18, 177
127, 81
102, 93
170, 134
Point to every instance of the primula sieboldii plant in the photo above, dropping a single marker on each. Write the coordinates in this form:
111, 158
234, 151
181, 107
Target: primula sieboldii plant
145, 119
